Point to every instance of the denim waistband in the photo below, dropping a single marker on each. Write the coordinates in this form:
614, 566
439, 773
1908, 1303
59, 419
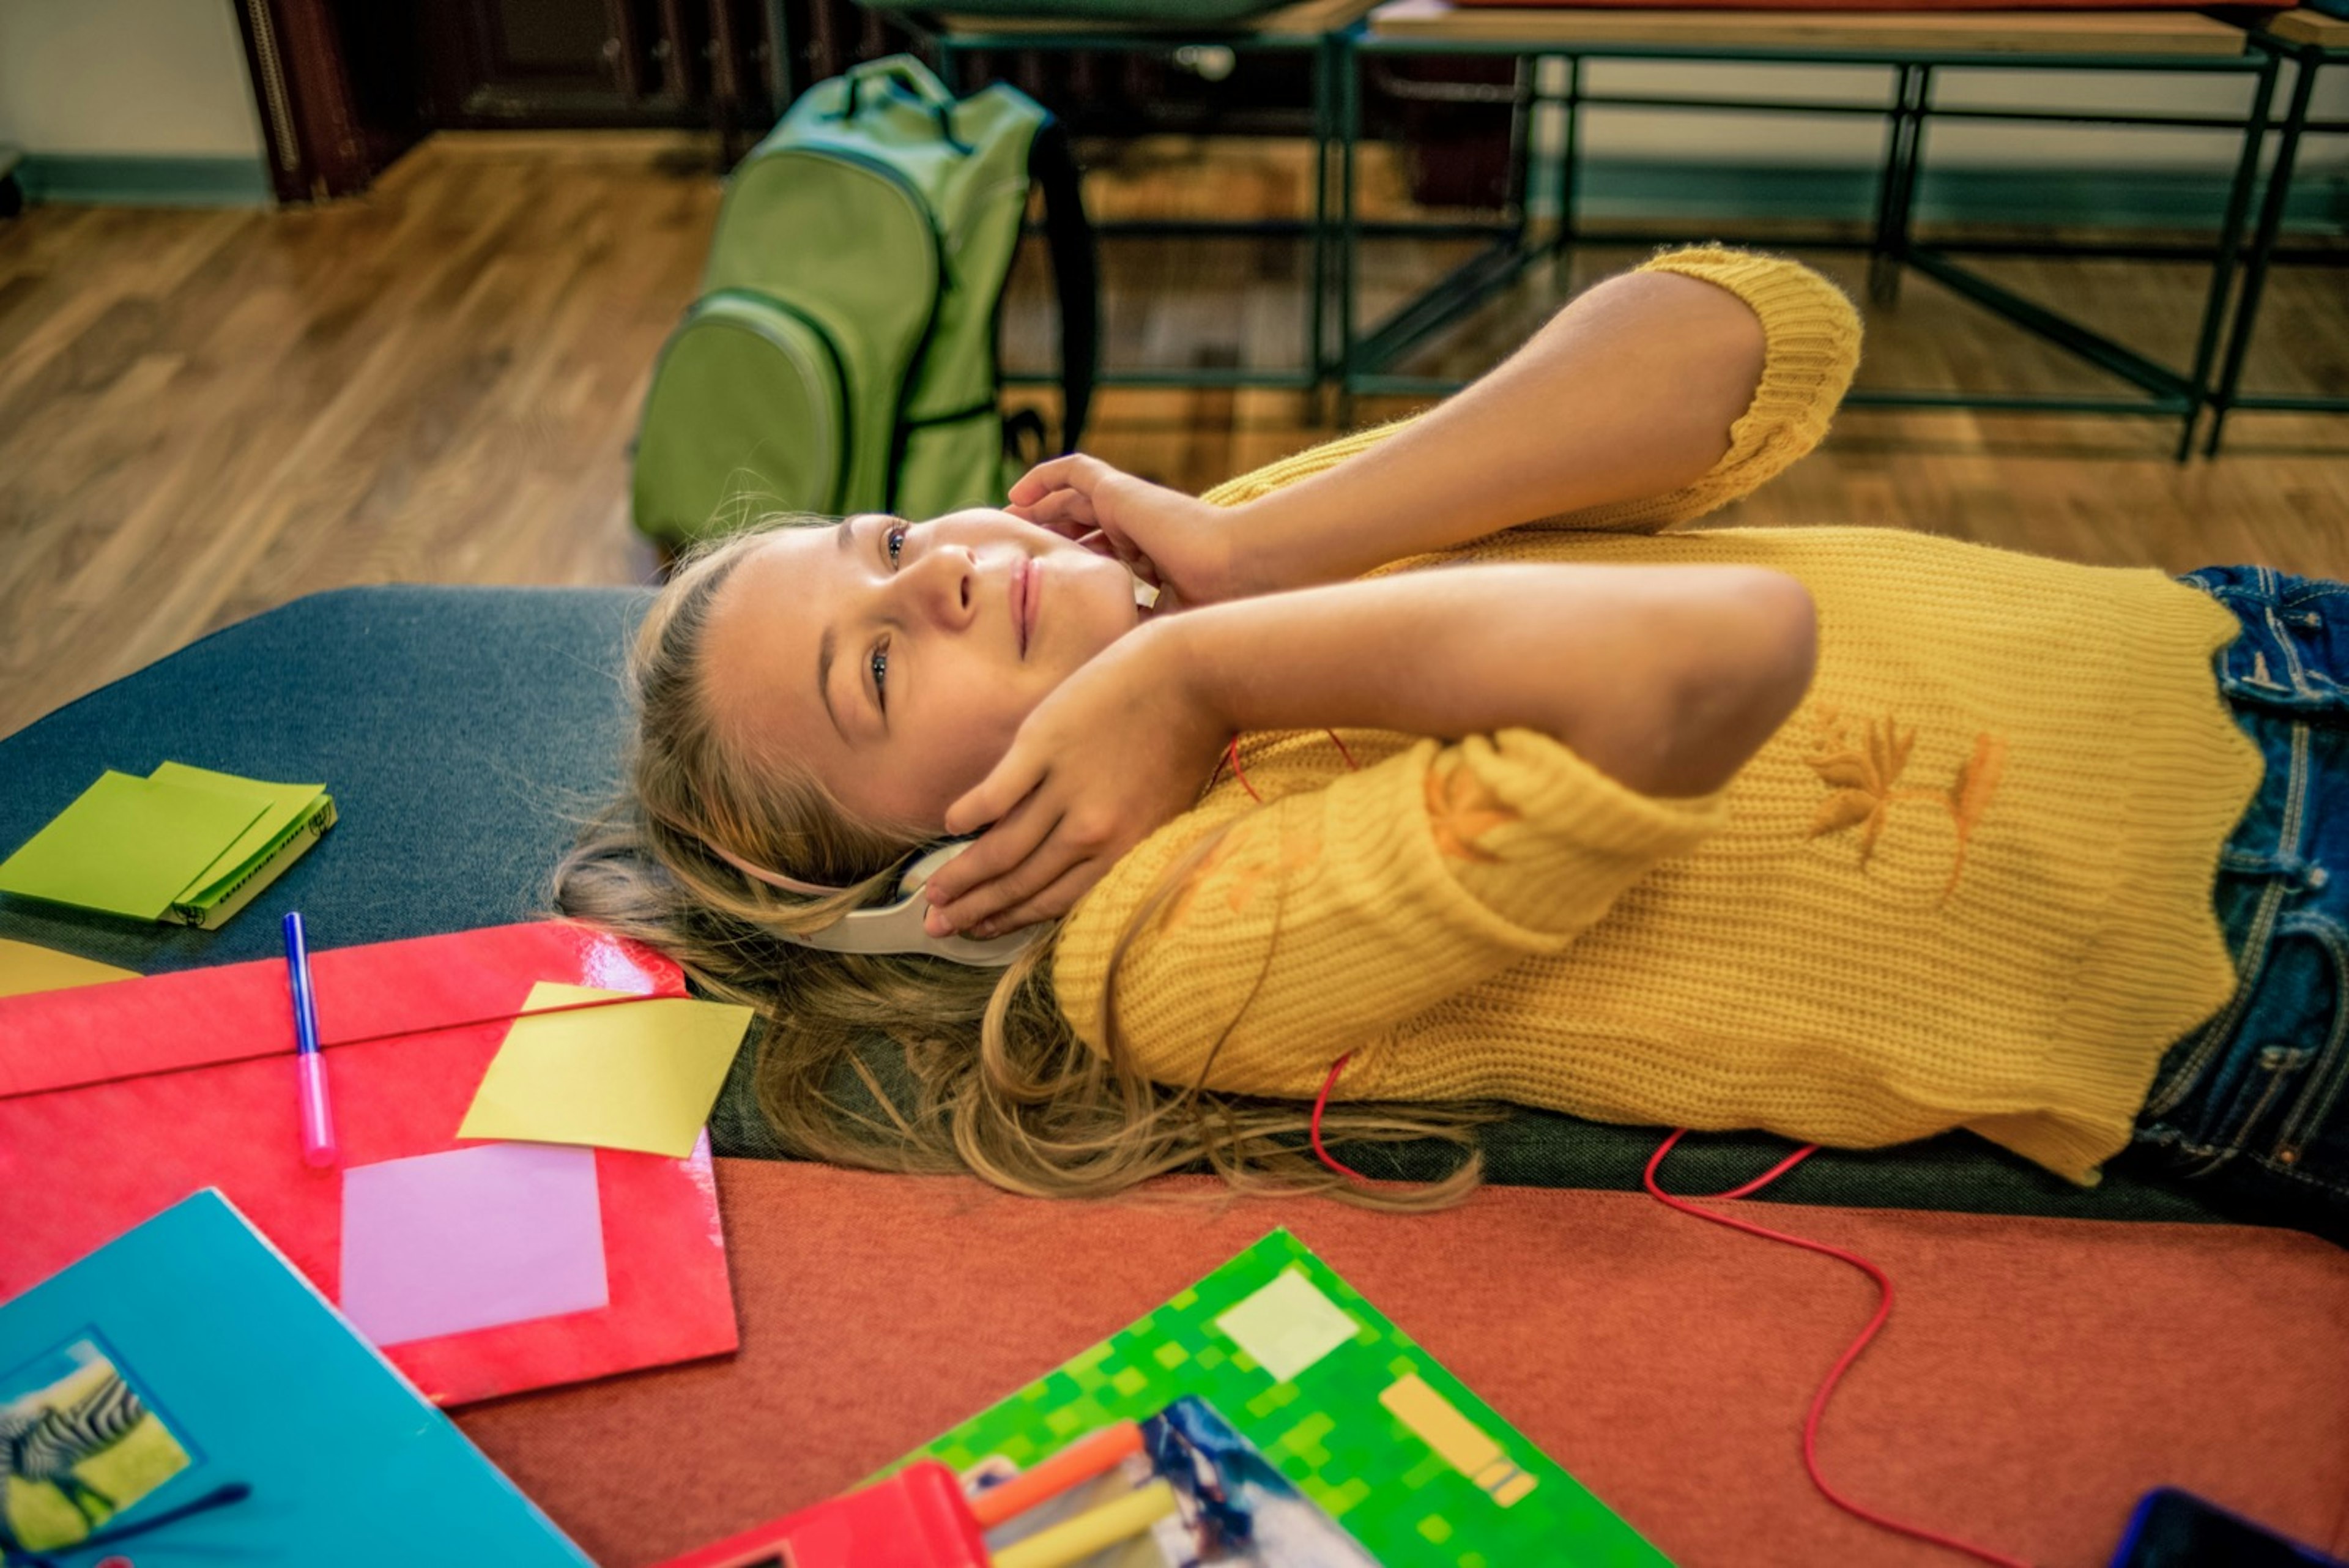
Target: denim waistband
2294, 643
2261, 1080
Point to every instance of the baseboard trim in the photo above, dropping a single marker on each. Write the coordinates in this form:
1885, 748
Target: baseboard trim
1609, 189
1616, 189
116, 180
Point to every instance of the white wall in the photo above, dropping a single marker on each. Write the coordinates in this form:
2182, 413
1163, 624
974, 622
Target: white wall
167, 77
1849, 140
126, 78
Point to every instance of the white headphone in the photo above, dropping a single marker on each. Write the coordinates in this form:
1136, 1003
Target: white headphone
895, 927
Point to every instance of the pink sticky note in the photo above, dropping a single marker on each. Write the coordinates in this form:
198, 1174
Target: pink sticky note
471, 1239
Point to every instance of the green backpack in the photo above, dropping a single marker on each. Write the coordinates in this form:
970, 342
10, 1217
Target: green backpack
842, 357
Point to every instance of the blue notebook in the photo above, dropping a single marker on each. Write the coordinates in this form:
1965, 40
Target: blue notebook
182, 1397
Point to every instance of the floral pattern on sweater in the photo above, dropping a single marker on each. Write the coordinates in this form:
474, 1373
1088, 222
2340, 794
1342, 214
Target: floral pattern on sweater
1863, 777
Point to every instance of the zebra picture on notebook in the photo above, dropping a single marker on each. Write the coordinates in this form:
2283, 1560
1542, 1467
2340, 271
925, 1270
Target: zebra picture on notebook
77, 1447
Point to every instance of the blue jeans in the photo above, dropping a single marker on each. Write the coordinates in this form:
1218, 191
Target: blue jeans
2252, 1108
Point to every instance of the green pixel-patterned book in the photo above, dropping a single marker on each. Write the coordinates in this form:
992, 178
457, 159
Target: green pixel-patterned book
1271, 1386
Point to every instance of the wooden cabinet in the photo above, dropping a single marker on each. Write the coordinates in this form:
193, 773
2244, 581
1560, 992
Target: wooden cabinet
346, 86
548, 63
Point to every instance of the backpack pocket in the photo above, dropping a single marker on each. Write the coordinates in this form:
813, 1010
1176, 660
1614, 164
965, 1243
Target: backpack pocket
748, 414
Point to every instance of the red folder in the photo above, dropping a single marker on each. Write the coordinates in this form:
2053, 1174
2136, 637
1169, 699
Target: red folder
120, 1099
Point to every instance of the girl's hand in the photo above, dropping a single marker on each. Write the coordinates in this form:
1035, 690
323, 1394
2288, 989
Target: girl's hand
1120, 748
1172, 541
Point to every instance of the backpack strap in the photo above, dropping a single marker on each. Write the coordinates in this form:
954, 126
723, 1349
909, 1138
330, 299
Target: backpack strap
1052, 164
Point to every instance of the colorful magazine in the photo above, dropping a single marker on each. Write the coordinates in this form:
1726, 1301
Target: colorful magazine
1298, 1429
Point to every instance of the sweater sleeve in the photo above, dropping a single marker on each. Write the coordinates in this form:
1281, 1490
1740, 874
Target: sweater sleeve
1271, 938
1811, 336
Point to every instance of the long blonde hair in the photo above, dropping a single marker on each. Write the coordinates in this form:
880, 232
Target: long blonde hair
908, 1063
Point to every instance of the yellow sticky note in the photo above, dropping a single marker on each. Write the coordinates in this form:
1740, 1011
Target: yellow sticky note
641, 1076
25, 969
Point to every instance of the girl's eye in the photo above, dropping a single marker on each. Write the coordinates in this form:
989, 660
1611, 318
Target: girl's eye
880, 668
893, 542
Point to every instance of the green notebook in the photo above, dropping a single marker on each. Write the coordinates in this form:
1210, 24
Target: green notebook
183, 845
1298, 1427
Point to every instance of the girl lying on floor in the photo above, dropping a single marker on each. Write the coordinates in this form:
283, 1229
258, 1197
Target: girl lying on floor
1439, 775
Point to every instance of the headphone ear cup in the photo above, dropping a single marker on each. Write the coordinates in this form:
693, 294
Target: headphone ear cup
925, 865
896, 927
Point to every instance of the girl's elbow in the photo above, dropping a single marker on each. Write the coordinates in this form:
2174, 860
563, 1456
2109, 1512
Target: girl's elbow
1788, 641
1753, 677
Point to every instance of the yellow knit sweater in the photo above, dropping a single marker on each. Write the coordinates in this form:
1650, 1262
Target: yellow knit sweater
1968, 884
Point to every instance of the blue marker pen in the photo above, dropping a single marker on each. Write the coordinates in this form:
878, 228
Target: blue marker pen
317, 1116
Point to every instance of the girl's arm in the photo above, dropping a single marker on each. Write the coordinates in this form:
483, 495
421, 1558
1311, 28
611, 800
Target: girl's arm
1628, 392
1648, 400
1248, 946
1665, 679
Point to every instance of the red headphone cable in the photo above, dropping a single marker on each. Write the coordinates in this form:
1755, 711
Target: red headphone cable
1320, 1103
1842, 1362
1231, 759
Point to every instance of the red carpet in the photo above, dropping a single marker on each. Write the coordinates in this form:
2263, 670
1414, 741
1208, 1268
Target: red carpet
2037, 1377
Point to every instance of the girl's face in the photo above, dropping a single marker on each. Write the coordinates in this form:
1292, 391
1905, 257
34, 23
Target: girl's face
896, 660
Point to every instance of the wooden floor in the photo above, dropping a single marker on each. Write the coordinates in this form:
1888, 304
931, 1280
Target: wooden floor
203, 414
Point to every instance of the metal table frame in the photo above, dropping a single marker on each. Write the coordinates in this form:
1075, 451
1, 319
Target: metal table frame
2308, 60
2162, 390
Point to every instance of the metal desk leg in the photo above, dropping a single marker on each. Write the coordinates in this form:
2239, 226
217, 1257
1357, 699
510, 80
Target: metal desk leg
1350, 137
2230, 235
2255, 269
1912, 169
1570, 156
1890, 247
1317, 285
1524, 93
